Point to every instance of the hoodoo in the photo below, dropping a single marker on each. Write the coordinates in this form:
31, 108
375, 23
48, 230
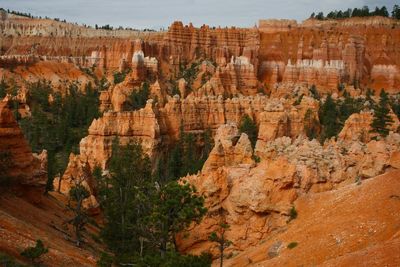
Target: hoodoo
275, 145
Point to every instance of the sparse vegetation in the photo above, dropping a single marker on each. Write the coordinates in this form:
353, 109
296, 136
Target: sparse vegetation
138, 98
119, 76
78, 194
248, 126
292, 213
314, 92
189, 74
358, 12
292, 245
223, 243
34, 253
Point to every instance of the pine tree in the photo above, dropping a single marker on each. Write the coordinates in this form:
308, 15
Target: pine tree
177, 207
78, 193
248, 126
138, 98
382, 119
348, 107
369, 94
396, 12
128, 199
3, 88
223, 243
328, 117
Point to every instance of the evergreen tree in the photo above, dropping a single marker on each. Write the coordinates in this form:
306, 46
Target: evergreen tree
395, 104
320, 16
143, 216
250, 128
3, 88
382, 120
347, 13
102, 186
364, 11
78, 193
396, 12
119, 77
128, 200
189, 158
328, 117
138, 98
223, 243
384, 12
314, 92
176, 207
369, 94
347, 108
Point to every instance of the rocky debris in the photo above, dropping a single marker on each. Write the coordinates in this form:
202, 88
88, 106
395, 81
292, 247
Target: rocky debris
273, 251
20, 165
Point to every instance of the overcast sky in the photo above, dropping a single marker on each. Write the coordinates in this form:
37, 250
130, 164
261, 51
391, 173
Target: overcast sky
161, 13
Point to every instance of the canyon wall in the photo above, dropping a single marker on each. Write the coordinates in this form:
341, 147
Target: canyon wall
360, 52
353, 51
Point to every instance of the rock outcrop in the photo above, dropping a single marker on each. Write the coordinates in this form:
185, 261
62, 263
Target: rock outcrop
140, 125
18, 164
358, 126
255, 199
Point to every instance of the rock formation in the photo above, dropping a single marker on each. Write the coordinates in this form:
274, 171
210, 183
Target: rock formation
255, 199
18, 164
217, 76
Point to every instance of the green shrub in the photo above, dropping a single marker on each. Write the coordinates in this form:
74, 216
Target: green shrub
248, 126
292, 245
34, 253
292, 214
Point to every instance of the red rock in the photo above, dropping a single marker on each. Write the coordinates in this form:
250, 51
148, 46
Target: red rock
24, 167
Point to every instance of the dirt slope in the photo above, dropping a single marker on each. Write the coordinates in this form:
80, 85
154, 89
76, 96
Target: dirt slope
358, 225
27, 215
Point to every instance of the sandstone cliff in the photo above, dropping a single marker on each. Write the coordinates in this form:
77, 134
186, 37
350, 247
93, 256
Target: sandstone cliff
355, 51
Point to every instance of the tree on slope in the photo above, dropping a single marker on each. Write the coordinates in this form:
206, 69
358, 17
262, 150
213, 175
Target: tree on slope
328, 117
78, 193
382, 119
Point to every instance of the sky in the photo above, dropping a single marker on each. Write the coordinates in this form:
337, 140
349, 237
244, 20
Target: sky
156, 14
